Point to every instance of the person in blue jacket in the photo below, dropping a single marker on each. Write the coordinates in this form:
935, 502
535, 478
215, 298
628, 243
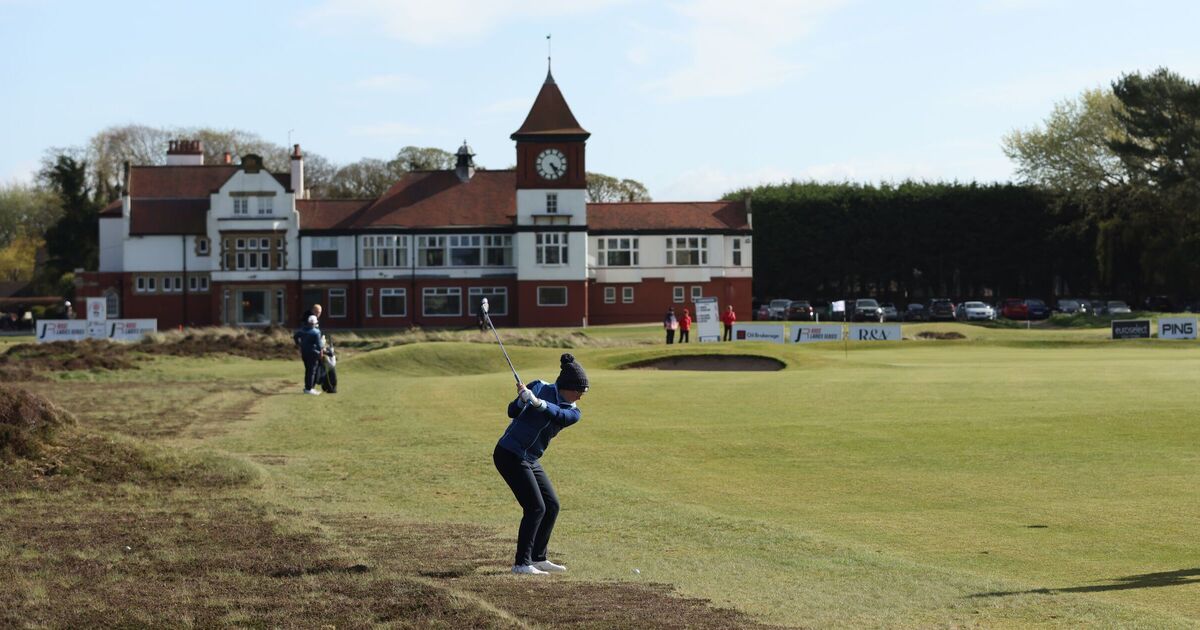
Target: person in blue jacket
309, 341
539, 412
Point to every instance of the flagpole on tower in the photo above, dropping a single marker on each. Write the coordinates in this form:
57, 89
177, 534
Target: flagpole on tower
549, 53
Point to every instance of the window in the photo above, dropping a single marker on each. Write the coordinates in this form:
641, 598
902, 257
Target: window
202, 246
324, 252
687, 251
385, 251
552, 296
252, 307
610, 295
370, 308
177, 281
697, 293
140, 286
737, 252
497, 298
203, 283
151, 284
627, 295
678, 295
241, 206
393, 302
442, 302
193, 283
551, 203
279, 307
464, 251
337, 302
112, 304
253, 253
431, 251
497, 250
617, 252
264, 205
551, 248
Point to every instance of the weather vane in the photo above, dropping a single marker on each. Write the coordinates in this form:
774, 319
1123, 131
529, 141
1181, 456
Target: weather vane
549, 52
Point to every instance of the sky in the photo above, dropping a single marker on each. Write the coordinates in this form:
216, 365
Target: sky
694, 98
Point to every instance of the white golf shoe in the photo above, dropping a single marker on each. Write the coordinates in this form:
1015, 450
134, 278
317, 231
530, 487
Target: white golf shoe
312, 392
527, 569
550, 567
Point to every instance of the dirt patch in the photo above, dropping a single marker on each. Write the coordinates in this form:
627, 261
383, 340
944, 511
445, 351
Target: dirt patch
711, 363
944, 336
274, 343
62, 356
29, 422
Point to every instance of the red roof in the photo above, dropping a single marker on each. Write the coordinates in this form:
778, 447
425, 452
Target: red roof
549, 116
330, 214
113, 209
670, 215
174, 199
428, 199
168, 216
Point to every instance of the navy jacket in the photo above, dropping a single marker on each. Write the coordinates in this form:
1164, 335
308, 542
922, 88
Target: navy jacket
309, 340
531, 429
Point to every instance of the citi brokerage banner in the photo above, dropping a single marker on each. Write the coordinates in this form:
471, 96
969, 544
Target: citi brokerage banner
773, 333
816, 333
1177, 328
1131, 329
875, 332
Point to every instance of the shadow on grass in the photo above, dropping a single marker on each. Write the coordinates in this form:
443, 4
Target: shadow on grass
1145, 580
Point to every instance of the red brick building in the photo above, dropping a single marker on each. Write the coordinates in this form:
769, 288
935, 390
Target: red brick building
199, 244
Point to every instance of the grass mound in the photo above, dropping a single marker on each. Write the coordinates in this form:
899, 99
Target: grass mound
271, 343
940, 335
710, 363
61, 356
512, 337
28, 423
455, 359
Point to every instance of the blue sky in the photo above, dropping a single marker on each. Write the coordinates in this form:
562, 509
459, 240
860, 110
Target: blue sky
693, 97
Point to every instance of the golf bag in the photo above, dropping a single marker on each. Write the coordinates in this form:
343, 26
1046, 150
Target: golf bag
327, 368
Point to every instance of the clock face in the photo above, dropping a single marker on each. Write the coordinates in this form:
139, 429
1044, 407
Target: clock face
551, 164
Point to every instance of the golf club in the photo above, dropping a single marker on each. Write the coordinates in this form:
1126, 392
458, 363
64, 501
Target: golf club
483, 306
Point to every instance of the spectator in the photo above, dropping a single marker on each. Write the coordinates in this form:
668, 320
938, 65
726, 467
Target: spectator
308, 339
315, 311
728, 318
68, 310
670, 324
685, 325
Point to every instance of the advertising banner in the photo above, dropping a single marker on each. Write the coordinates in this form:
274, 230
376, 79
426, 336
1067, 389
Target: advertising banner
816, 333
1131, 329
97, 309
61, 330
773, 333
129, 329
1177, 328
875, 332
708, 324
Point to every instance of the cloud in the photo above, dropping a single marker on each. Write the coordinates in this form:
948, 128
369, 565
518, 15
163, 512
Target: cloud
391, 83
441, 22
733, 48
387, 129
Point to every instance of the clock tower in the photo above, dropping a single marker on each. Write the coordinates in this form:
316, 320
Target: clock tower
551, 222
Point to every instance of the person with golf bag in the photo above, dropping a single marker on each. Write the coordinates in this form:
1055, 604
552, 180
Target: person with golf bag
308, 339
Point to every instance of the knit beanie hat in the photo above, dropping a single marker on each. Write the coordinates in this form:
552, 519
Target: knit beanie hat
572, 375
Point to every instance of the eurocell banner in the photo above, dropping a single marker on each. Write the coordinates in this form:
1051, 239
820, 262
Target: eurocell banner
130, 329
773, 333
1177, 328
61, 330
1131, 329
708, 326
816, 333
875, 332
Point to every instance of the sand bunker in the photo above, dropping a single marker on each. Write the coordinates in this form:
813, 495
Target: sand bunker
711, 363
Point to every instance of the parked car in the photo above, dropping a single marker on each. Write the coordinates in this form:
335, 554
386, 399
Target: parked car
890, 314
762, 313
1037, 309
1098, 307
1014, 308
976, 311
777, 309
916, 313
941, 309
867, 310
1159, 304
820, 309
800, 311
1068, 306
1117, 307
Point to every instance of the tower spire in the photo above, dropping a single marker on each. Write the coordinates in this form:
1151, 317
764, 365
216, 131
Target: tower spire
549, 60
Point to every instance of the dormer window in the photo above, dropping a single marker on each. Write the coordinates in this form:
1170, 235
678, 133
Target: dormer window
201, 246
551, 203
241, 206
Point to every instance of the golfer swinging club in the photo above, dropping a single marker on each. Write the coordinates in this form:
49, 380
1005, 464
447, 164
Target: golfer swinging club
539, 412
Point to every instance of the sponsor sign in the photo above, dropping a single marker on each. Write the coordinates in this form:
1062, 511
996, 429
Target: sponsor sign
61, 330
815, 333
129, 329
97, 309
774, 333
1177, 328
875, 332
1131, 329
708, 324
48, 330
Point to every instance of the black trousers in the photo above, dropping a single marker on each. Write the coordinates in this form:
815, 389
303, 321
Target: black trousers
670, 336
310, 370
536, 495
683, 336
728, 332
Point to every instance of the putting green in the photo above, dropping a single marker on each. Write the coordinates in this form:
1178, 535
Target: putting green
1015, 478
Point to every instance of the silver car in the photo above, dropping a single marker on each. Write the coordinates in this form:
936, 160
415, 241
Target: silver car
977, 311
1117, 307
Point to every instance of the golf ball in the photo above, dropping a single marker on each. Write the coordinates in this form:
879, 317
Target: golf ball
637, 571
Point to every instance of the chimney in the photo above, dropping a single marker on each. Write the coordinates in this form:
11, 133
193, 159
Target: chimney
185, 153
465, 168
298, 173
227, 158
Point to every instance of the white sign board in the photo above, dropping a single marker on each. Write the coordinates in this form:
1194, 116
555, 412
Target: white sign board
1177, 328
48, 330
61, 330
815, 333
97, 309
708, 325
875, 332
773, 333
129, 329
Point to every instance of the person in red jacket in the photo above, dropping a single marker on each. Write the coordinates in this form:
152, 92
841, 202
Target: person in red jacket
685, 324
728, 318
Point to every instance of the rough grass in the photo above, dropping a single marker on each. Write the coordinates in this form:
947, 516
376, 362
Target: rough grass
28, 423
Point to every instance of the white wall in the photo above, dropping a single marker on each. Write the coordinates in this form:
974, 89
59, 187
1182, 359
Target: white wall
155, 253
283, 217
652, 260
571, 203
525, 255
112, 244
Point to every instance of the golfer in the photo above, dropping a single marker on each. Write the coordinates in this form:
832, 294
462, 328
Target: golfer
308, 339
539, 412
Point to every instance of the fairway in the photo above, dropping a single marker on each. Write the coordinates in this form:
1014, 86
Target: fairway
912, 484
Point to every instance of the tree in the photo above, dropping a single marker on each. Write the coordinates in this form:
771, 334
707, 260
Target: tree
18, 258
1160, 120
1070, 152
26, 210
368, 177
72, 242
422, 159
601, 187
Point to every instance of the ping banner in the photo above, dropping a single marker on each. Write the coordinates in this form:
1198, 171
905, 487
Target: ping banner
1177, 328
1131, 329
708, 325
875, 332
816, 333
773, 333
